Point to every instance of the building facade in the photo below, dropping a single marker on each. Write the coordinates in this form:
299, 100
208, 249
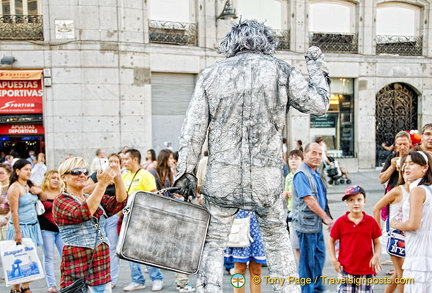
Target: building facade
80, 75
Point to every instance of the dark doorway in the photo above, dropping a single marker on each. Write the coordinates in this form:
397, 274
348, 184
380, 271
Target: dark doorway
396, 110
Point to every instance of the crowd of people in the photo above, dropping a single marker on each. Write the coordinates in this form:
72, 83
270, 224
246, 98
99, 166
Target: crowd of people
75, 199
82, 214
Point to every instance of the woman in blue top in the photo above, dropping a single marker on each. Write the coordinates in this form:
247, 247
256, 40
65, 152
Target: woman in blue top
22, 196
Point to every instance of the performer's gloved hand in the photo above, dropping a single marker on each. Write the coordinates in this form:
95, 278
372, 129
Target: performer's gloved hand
187, 183
315, 57
313, 53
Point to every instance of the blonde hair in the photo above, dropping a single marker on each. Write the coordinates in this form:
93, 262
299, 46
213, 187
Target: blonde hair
45, 182
68, 165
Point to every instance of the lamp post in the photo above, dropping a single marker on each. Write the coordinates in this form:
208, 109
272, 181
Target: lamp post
227, 13
7, 60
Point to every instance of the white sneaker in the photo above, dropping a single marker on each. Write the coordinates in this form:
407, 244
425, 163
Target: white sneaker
187, 288
157, 285
133, 286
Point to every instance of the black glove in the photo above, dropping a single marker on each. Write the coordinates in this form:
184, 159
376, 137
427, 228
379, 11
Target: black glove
188, 184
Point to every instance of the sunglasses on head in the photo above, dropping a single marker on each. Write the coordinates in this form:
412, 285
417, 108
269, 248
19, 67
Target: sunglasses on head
78, 171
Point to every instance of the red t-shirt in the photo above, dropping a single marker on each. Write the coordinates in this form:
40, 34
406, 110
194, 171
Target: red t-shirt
356, 243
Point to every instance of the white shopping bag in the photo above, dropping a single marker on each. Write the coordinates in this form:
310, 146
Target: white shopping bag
20, 262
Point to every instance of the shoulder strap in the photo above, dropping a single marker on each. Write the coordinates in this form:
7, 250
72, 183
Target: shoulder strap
130, 185
96, 223
428, 187
388, 220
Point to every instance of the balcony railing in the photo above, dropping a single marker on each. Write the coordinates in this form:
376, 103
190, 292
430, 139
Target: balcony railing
334, 43
284, 39
176, 33
21, 27
399, 45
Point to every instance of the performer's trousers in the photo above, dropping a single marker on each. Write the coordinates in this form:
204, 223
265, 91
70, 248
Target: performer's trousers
279, 255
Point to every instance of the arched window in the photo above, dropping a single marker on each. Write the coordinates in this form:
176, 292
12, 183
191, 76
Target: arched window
330, 33
398, 29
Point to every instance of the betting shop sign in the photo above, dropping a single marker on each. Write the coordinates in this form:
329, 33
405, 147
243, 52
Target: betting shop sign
20, 92
22, 129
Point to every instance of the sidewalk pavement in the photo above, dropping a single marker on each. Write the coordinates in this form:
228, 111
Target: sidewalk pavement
366, 179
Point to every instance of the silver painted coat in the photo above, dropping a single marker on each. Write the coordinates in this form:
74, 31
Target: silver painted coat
242, 102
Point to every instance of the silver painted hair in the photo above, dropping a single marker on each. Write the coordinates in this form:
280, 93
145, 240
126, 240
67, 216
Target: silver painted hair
248, 35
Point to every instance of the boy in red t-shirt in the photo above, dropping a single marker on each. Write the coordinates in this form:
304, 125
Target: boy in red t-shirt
359, 244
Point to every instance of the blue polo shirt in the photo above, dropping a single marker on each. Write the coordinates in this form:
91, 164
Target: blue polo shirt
303, 188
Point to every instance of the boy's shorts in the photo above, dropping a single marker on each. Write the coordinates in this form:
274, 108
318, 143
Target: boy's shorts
292, 233
355, 283
293, 236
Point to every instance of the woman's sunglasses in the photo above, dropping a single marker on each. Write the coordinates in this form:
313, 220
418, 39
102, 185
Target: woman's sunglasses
77, 172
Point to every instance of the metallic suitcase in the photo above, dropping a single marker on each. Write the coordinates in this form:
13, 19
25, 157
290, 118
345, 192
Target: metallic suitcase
163, 232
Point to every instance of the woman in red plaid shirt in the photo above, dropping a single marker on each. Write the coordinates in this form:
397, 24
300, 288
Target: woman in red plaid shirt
76, 213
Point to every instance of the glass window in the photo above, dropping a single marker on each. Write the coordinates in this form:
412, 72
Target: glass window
268, 11
5, 7
321, 17
398, 19
170, 10
337, 126
32, 7
20, 7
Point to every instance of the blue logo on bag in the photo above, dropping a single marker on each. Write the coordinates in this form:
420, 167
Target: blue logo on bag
19, 271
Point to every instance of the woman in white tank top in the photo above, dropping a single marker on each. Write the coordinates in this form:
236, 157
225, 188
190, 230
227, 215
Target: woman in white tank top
395, 198
417, 223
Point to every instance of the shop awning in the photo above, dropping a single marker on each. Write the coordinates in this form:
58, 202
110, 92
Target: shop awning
20, 74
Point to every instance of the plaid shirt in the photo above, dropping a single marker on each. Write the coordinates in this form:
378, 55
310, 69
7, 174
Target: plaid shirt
75, 260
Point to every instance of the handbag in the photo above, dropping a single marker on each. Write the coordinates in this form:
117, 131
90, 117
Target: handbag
396, 241
240, 233
40, 209
80, 285
20, 262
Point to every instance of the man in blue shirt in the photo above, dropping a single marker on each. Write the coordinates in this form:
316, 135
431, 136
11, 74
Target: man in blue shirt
310, 210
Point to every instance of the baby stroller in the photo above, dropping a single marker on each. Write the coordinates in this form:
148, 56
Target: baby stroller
336, 174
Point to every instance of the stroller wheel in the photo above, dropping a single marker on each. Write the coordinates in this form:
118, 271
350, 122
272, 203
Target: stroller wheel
337, 182
342, 181
348, 181
330, 182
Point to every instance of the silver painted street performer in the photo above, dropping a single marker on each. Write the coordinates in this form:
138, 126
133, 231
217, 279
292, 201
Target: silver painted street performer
242, 103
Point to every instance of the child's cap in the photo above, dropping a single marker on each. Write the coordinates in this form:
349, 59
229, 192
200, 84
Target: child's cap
353, 190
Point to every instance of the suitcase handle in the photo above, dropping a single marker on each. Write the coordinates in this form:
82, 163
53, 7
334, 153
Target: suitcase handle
162, 191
